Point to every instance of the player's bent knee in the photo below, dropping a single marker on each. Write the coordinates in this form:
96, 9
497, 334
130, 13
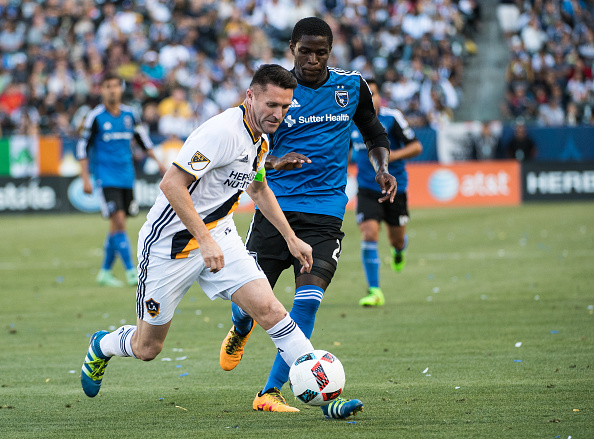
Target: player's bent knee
270, 313
147, 352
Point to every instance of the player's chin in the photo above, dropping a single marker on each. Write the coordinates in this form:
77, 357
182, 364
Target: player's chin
270, 127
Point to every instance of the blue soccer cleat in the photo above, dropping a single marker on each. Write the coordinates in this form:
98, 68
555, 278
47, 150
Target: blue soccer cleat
342, 408
93, 367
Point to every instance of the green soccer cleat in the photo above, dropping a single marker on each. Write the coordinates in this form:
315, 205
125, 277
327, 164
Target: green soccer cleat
106, 278
93, 367
132, 277
398, 260
342, 408
375, 297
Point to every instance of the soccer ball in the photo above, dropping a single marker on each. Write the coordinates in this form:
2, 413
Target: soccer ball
317, 378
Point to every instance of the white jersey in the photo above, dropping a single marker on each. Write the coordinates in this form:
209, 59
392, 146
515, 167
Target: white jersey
223, 156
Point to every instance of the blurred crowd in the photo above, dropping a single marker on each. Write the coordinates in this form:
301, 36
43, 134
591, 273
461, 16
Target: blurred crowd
549, 77
186, 60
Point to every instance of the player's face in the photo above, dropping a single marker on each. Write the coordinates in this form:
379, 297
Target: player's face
111, 91
269, 106
311, 58
375, 96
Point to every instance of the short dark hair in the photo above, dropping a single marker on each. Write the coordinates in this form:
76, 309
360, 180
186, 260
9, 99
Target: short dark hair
312, 26
371, 81
109, 76
275, 75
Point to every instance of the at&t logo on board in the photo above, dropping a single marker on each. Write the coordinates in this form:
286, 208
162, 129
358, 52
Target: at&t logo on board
443, 185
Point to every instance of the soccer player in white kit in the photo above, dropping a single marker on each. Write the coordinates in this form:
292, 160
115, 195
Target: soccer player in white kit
190, 235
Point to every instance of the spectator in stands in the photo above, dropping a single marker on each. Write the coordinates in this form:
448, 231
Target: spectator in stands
551, 113
175, 115
508, 13
203, 108
521, 146
70, 46
533, 36
150, 68
485, 145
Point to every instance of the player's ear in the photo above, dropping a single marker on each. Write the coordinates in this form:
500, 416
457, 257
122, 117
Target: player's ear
249, 95
292, 47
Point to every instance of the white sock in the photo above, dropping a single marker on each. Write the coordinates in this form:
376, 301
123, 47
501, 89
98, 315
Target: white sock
289, 340
117, 343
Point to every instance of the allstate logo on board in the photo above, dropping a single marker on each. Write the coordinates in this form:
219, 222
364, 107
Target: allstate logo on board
443, 185
80, 200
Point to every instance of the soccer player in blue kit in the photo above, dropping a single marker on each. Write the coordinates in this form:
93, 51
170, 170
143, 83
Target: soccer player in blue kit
104, 151
403, 145
313, 144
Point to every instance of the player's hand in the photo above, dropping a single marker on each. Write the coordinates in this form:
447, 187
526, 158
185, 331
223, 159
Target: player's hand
290, 161
387, 184
87, 187
303, 252
212, 254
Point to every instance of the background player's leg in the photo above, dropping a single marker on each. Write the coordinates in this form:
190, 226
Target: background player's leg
109, 252
111, 249
399, 241
371, 263
369, 252
120, 238
123, 246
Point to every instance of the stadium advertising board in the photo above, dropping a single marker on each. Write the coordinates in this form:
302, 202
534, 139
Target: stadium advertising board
64, 194
543, 181
492, 183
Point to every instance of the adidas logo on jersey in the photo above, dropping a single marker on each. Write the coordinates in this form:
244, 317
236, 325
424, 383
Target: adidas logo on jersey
244, 159
295, 104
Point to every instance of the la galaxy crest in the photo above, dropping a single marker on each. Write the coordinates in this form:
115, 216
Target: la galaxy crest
341, 97
199, 161
152, 307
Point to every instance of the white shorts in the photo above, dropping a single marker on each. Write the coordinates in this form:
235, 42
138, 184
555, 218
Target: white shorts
164, 282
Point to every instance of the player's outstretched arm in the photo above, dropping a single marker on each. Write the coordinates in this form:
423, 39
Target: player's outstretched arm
288, 162
266, 201
175, 187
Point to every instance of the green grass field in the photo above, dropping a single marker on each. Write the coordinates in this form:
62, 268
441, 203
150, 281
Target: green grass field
478, 281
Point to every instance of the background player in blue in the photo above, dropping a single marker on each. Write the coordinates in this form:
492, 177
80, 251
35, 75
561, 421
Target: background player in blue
104, 151
313, 143
403, 145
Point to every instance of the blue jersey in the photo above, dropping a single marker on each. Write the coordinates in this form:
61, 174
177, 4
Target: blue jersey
106, 142
399, 135
318, 125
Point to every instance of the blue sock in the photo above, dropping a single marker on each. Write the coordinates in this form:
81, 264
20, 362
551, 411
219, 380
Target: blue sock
122, 246
371, 262
306, 304
241, 320
109, 252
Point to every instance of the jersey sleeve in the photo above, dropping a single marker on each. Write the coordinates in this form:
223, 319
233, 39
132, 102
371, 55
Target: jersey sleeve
366, 120
265, 149
400, 129
86, 139
204, 150
141, 134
